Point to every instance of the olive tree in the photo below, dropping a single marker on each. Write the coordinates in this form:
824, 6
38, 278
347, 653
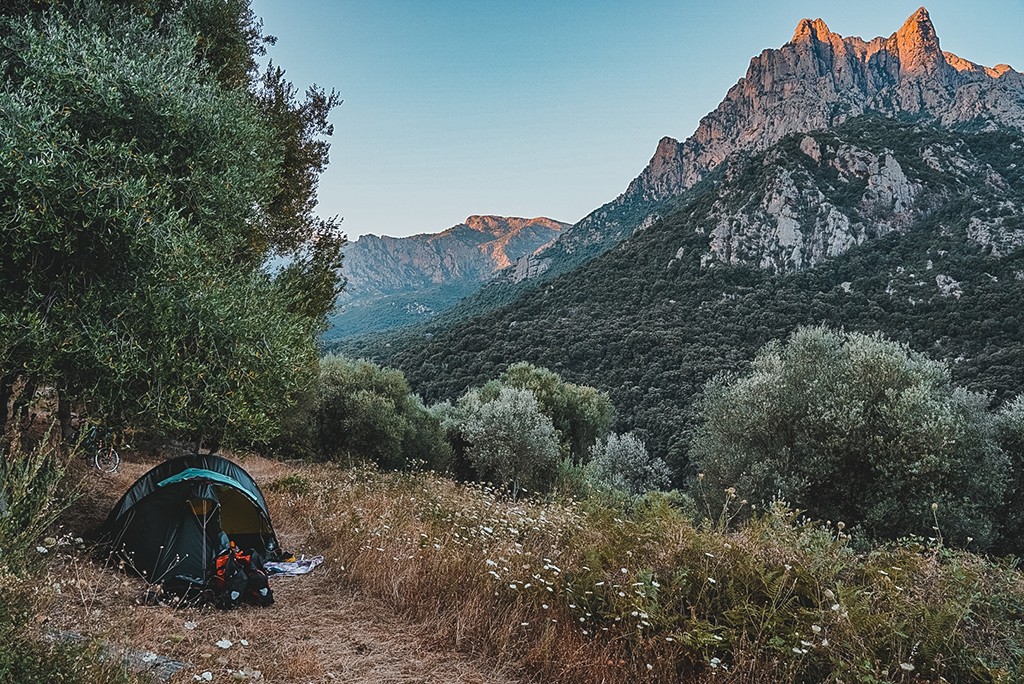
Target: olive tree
366, 413
855, 428
581, 414
622, 462
141, 185
508, 439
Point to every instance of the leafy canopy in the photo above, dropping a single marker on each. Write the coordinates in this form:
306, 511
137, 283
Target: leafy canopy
365, 412
856, 428
141, 177
510, 441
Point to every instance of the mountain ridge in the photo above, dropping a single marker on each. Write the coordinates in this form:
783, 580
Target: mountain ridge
814, 82
394, 281
654, 319
905, 218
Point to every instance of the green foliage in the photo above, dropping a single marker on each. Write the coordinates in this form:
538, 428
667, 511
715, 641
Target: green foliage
365, 412
138, 194
1010, 431
582, 415
855, 428
291, 484
32, 495
651, 329
510, 441
621, 462
498, 434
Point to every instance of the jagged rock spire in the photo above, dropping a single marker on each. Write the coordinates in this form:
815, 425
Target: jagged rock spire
811, 29
918, 46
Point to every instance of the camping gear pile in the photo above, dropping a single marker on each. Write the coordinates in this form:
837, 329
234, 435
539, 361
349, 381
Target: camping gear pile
184, 525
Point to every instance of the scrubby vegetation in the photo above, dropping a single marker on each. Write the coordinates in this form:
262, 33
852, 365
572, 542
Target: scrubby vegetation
583, 591
514, 431
856, 428
622, 463
32, 493
365, 412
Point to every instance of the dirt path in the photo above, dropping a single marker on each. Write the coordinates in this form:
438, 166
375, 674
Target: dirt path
317, 631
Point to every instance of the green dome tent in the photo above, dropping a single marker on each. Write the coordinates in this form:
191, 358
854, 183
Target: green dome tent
175, 519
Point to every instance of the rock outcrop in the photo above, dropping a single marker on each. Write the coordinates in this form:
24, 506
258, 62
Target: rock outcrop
816, 198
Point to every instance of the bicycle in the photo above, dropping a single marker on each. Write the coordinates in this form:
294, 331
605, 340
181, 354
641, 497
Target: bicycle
101, 445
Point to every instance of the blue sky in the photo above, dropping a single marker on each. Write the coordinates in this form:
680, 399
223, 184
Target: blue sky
545, 108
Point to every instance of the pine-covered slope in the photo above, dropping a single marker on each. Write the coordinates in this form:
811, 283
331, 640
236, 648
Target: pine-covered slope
931, 226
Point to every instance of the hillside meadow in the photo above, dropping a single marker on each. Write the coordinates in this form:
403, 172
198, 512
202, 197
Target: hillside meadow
556, 589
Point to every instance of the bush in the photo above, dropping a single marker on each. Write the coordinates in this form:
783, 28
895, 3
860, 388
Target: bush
856, 428
509, 441
30, 496
621, 462
32, 493
581, 414
1010, 430
367, 413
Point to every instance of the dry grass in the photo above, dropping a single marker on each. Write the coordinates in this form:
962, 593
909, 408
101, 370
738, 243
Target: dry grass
430, 581
317, 631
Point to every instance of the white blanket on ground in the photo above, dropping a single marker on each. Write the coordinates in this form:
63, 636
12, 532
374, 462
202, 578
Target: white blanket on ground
301, 566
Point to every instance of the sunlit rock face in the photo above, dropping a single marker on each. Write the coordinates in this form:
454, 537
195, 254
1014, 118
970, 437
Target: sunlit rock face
819, 79
814, 82
471, 250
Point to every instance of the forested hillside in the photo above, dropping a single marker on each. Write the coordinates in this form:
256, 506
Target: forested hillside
654, 319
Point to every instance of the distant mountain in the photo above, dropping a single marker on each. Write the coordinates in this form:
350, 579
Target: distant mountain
911, 229
398, 281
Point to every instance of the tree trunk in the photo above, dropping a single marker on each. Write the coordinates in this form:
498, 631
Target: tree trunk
64, 416
6, 390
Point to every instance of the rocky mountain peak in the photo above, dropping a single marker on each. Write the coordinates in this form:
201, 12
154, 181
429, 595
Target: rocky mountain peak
487, 223
917, 45
815, 82
820, 79
473, 250
811, 30
503, 226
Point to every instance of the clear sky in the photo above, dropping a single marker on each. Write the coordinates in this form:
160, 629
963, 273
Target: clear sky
545, 107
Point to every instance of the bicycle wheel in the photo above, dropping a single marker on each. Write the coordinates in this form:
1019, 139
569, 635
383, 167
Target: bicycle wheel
107, 459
